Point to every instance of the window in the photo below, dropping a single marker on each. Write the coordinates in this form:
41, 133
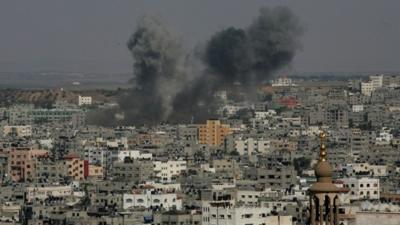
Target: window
247, 216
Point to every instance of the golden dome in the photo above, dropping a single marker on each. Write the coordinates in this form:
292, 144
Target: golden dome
323, 170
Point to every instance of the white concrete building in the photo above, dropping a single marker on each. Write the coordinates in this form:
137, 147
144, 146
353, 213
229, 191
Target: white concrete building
358, 108
353, 169
121, 143
224, 185
219, 213
251, 146
367, 88
46, 143
311, 131
152, 199
249, 197
168, 170
207, 167
19, 131
394, 108
84, 100
283, 82
33, 193
384, 137
377, 81
264, 114
278, 206
362, 188
231, 110
293, 121
169, 188
133, 154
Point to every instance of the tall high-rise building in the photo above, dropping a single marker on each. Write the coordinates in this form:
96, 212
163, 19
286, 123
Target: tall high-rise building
377, 81
213, 132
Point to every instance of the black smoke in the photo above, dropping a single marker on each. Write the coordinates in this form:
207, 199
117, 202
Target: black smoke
167, 88
158, 70
253, 53
241, 56
227, 54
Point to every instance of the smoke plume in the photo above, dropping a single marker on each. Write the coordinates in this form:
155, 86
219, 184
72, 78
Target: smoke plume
253, 53
166, 87
246, 56
158, 70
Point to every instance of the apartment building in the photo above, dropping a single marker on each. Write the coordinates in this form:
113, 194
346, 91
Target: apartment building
213, 133
151, 199
167, 171
362, 188
78, 169
137, 171
22, 163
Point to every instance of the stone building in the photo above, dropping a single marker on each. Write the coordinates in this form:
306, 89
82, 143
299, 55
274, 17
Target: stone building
136, 171
177, 217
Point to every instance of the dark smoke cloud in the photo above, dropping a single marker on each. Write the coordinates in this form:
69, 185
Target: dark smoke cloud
227, 54
248, 56
255, 52
166, 85
274, 38
158, 73
196, 102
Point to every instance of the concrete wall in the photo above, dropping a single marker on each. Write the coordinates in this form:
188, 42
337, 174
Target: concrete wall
372, 218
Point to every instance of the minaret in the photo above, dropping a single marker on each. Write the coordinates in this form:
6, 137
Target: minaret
324, 200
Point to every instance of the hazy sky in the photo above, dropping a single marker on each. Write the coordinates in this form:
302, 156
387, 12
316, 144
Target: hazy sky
91, 35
